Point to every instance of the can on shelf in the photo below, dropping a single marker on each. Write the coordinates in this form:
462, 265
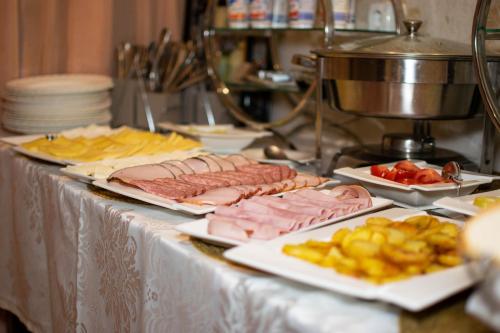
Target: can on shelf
301, 13
280, 14
261, 12
237, 14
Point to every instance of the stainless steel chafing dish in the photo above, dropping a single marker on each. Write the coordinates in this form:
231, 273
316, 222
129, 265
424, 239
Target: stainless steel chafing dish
402, 76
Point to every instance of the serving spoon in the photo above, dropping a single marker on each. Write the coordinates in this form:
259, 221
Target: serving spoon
452, 171
274, 152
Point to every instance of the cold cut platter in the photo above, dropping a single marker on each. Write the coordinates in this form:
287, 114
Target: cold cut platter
262, 218
198, 184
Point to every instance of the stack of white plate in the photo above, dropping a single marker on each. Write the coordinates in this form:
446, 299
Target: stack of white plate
52, 103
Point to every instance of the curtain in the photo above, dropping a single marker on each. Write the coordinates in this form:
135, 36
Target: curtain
77, 36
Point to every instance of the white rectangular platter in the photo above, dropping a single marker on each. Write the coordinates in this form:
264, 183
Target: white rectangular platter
464, 204
43, 157
413, 294
199, 228
89, 131
20, 139
228, 133
412, 195
162, 202
78, 176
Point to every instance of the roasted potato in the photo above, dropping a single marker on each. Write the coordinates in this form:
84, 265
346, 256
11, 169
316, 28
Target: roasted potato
384, 250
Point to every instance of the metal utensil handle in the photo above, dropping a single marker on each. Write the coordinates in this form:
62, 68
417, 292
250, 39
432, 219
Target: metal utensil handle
479, 36
144, 95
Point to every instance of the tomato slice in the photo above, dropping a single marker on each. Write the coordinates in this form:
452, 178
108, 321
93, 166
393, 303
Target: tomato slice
408, 181
379, 170
427, 176
391, 175
402, 175
407, 166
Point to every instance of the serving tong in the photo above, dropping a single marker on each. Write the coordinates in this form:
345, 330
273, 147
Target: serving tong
452, 171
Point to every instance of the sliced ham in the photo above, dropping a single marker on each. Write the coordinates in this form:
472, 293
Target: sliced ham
252, 229
225, 164
284, 223
357, 194
181, 165
239, 160
141, 172
292, 212
302, 220
266, 189
217, 197
227, 228
197, 165
176, 171
213, 166
289, 185
291, 206
309, 180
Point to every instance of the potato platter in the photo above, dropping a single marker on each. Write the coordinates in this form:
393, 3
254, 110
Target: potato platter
414, 265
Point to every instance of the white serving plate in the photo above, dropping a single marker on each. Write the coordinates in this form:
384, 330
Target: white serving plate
56, 109
69, 100
56, 123
199, 228
258, 155
232, 140
19, 139
413, 294
35, 129
464, 204
59, 84
89, 132
141, 195
43, 157
412, 195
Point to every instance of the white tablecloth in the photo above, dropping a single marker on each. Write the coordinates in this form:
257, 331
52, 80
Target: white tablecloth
73, 260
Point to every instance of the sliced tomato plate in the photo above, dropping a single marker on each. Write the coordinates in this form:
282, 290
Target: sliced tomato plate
407, 191
406, 172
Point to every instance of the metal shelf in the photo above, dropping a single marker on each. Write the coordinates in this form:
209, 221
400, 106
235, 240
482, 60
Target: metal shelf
248, 86
226, 31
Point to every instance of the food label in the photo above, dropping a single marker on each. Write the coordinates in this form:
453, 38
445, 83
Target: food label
261, 13
237, 13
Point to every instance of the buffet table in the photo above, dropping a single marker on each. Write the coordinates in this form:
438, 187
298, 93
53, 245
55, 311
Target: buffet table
74, 258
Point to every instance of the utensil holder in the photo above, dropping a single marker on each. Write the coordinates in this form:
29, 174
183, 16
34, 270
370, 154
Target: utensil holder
128, 108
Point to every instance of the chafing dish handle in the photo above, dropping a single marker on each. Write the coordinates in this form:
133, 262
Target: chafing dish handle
479, 36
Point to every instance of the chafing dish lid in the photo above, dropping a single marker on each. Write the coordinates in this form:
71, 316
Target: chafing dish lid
406, 46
